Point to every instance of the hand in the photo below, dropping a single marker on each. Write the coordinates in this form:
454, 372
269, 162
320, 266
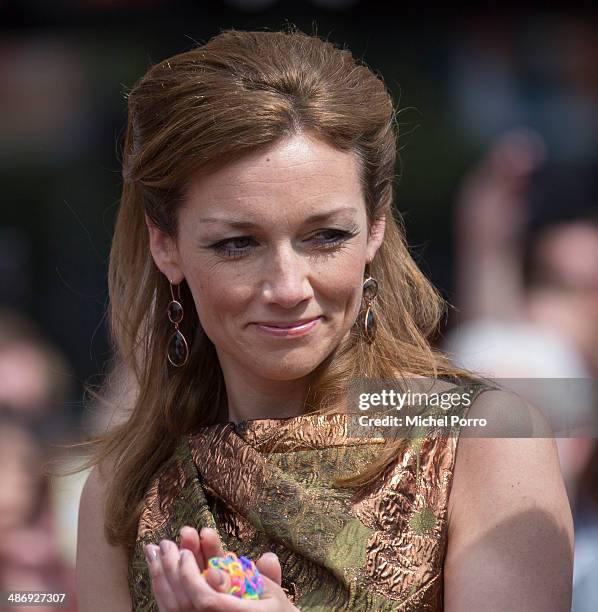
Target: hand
492, 206
178, 584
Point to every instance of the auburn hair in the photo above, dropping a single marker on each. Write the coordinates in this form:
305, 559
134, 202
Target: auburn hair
195, 112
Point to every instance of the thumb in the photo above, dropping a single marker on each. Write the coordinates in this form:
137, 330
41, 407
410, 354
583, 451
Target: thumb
269, 565
218, 580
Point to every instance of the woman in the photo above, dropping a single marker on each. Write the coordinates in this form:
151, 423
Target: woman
257, 269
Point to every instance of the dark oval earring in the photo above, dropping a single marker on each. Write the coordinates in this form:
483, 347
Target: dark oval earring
370, 291
178, 350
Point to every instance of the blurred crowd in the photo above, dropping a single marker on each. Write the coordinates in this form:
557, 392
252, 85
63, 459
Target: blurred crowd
525, 261
35, 380
527, 307
525, 221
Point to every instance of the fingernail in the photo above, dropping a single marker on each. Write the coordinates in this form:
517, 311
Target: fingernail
184, 554
164, 547
150, 553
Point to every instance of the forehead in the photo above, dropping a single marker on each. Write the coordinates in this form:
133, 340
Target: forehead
298, 175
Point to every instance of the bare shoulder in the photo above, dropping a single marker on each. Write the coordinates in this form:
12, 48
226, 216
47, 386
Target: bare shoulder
510, 540
101, 570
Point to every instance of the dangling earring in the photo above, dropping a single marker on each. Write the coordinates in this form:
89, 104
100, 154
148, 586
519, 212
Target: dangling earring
370, 291
178, 350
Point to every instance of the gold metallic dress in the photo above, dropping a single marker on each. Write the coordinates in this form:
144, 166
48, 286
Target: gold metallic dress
266, 485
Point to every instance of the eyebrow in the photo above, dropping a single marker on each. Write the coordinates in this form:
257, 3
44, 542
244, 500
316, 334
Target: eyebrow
241, 224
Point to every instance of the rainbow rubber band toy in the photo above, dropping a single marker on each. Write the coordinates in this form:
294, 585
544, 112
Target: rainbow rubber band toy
246, 580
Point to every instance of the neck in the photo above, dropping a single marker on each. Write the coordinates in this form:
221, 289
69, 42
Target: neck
275, 400
251, 397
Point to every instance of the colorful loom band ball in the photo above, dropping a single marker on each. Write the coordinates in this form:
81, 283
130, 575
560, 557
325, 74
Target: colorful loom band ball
245, 579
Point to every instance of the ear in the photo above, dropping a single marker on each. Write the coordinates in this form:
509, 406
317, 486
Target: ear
164, 252
375, 237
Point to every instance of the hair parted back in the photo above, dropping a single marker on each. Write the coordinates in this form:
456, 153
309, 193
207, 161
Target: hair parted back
192, 113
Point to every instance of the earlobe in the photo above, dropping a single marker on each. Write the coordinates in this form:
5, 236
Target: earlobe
164, 252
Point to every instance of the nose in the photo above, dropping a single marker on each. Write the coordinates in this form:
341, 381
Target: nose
286, 278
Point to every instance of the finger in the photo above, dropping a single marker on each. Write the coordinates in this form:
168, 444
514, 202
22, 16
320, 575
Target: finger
169, 556
165, 597
189, 539
210, 544
218, 580
269, 565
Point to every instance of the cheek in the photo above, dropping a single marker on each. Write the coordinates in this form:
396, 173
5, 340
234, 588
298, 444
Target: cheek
341, 287
218, 295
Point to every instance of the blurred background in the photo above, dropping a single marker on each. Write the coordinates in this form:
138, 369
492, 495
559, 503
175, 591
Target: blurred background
497, 183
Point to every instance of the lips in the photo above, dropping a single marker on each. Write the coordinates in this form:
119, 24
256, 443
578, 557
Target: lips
289, 329
287, 324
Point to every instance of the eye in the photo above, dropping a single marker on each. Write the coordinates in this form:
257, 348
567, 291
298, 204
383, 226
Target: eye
331, 238
239, 246
233, 247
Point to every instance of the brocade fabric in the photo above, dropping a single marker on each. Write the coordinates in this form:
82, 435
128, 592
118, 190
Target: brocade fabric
267, 485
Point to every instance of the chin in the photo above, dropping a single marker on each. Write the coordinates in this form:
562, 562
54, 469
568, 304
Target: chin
288, 367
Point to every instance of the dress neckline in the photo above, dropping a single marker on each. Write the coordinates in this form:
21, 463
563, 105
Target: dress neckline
298, 432
249, 423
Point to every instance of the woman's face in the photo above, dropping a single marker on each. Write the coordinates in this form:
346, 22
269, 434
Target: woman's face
273, 248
